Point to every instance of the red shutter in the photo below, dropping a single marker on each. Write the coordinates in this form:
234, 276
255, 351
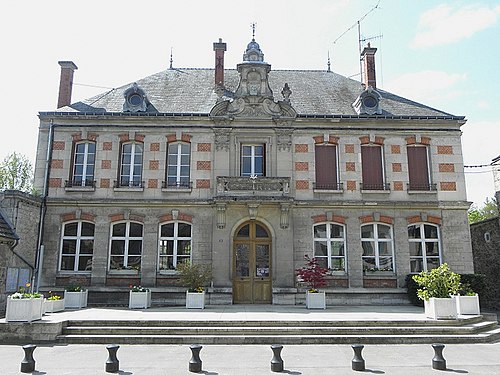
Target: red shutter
326, 167
418, 171
371, 160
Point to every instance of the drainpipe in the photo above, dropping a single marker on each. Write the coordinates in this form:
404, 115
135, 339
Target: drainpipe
43, 209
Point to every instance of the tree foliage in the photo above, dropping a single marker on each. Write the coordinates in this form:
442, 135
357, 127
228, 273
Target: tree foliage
16, 173
487, 211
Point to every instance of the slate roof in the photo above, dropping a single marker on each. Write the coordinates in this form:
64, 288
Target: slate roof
6, 230
191, 91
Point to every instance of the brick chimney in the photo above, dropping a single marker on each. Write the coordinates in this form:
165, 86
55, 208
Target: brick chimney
219, 49
368, 57
66, 83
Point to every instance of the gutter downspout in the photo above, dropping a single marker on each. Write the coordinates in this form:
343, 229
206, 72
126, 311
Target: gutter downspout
43, 209
11, 247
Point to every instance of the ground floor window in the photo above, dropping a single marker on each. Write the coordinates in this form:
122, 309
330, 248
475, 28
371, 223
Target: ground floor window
126, 246
425, 248
378, 248
329, 246
174, 245
77, 246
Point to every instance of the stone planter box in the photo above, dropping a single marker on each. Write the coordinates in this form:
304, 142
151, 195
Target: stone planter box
75, 300
195, 300
139, 300
441, 308
24, 309
315, 300
52, 306
467, 305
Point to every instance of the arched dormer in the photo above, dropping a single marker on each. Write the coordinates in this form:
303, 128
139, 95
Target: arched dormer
368, 102
135, 99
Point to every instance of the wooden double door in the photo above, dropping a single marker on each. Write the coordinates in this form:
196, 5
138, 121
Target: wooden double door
252, 277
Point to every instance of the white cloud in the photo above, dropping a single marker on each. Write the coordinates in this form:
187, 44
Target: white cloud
427, 86
444, 24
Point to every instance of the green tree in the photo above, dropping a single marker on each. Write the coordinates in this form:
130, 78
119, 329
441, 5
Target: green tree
16, 173
487, 211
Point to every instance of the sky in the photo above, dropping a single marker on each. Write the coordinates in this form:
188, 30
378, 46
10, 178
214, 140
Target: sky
441, 53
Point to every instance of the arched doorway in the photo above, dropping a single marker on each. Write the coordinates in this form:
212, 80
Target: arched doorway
252, 282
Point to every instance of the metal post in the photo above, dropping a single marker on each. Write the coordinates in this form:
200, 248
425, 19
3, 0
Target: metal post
438, 362
112, 363
195, 361
28, 363
277, 362
358, 363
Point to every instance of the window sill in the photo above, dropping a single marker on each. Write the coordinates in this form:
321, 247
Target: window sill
432, 192
129, 189
168, 273
80, 188
336, 273
324, 191
177, 190
375, 191
379, 274
67, 273
123, 272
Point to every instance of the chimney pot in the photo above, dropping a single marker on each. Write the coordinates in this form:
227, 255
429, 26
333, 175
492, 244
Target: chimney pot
219, 49
368, 57
66, 83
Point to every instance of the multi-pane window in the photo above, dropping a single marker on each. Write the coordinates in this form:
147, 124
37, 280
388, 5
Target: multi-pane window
378, 247
329, 246
425, 247
77, 246
126, 246
178, 164
418, 168
326, 167
253, 160
131, 165
373, 168
174, 245
83, 164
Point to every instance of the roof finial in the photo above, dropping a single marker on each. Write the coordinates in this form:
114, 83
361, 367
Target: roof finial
328, 70
254, 24
171, 58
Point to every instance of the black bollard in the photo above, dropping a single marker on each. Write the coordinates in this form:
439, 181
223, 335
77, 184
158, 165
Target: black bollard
112, 363
438, 362
28, 363
276, 361
358, 363
195, 361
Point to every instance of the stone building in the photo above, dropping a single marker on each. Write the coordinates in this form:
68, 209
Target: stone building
248, 170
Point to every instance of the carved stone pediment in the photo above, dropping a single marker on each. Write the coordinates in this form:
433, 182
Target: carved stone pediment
253, 107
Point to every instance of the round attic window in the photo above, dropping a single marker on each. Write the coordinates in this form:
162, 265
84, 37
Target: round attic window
370, 102
135, 99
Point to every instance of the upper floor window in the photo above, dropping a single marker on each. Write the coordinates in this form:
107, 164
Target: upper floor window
253, 160
373, 168
174, 245
378, 247
126, 246
131, 165
178, 164
330, 245
77, 246
83, 164
425, 247
418, 168
326, 167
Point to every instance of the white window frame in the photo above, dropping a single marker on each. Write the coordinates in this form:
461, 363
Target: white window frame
134, 180
253, 157
126, 238
422, 240
329, 240
175, 238
376, 241
178, 154
84, 177
78, 238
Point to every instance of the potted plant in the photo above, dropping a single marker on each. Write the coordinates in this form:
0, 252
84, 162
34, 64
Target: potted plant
139, 297
53, 303
314, 276
24, 307
436, 288
195, 277
75, 297
467, 300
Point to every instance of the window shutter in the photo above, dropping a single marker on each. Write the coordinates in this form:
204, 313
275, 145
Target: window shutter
371, 160
326, 167
418, 171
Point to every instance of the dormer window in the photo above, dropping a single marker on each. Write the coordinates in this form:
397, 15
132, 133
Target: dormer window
135, 99
368, 102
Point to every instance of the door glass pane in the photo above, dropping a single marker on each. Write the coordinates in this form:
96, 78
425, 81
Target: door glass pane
244, 231
242, 260
262, 260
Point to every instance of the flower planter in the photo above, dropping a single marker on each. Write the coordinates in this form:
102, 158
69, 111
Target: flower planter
139, 300
75, 300
315, 300
441, 308
467, 305
195, 300
24, 309
53, 305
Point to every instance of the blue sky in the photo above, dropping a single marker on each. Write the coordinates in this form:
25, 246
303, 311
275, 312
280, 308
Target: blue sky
440, 53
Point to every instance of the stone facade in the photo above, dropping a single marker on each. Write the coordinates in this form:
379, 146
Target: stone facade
221, 199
